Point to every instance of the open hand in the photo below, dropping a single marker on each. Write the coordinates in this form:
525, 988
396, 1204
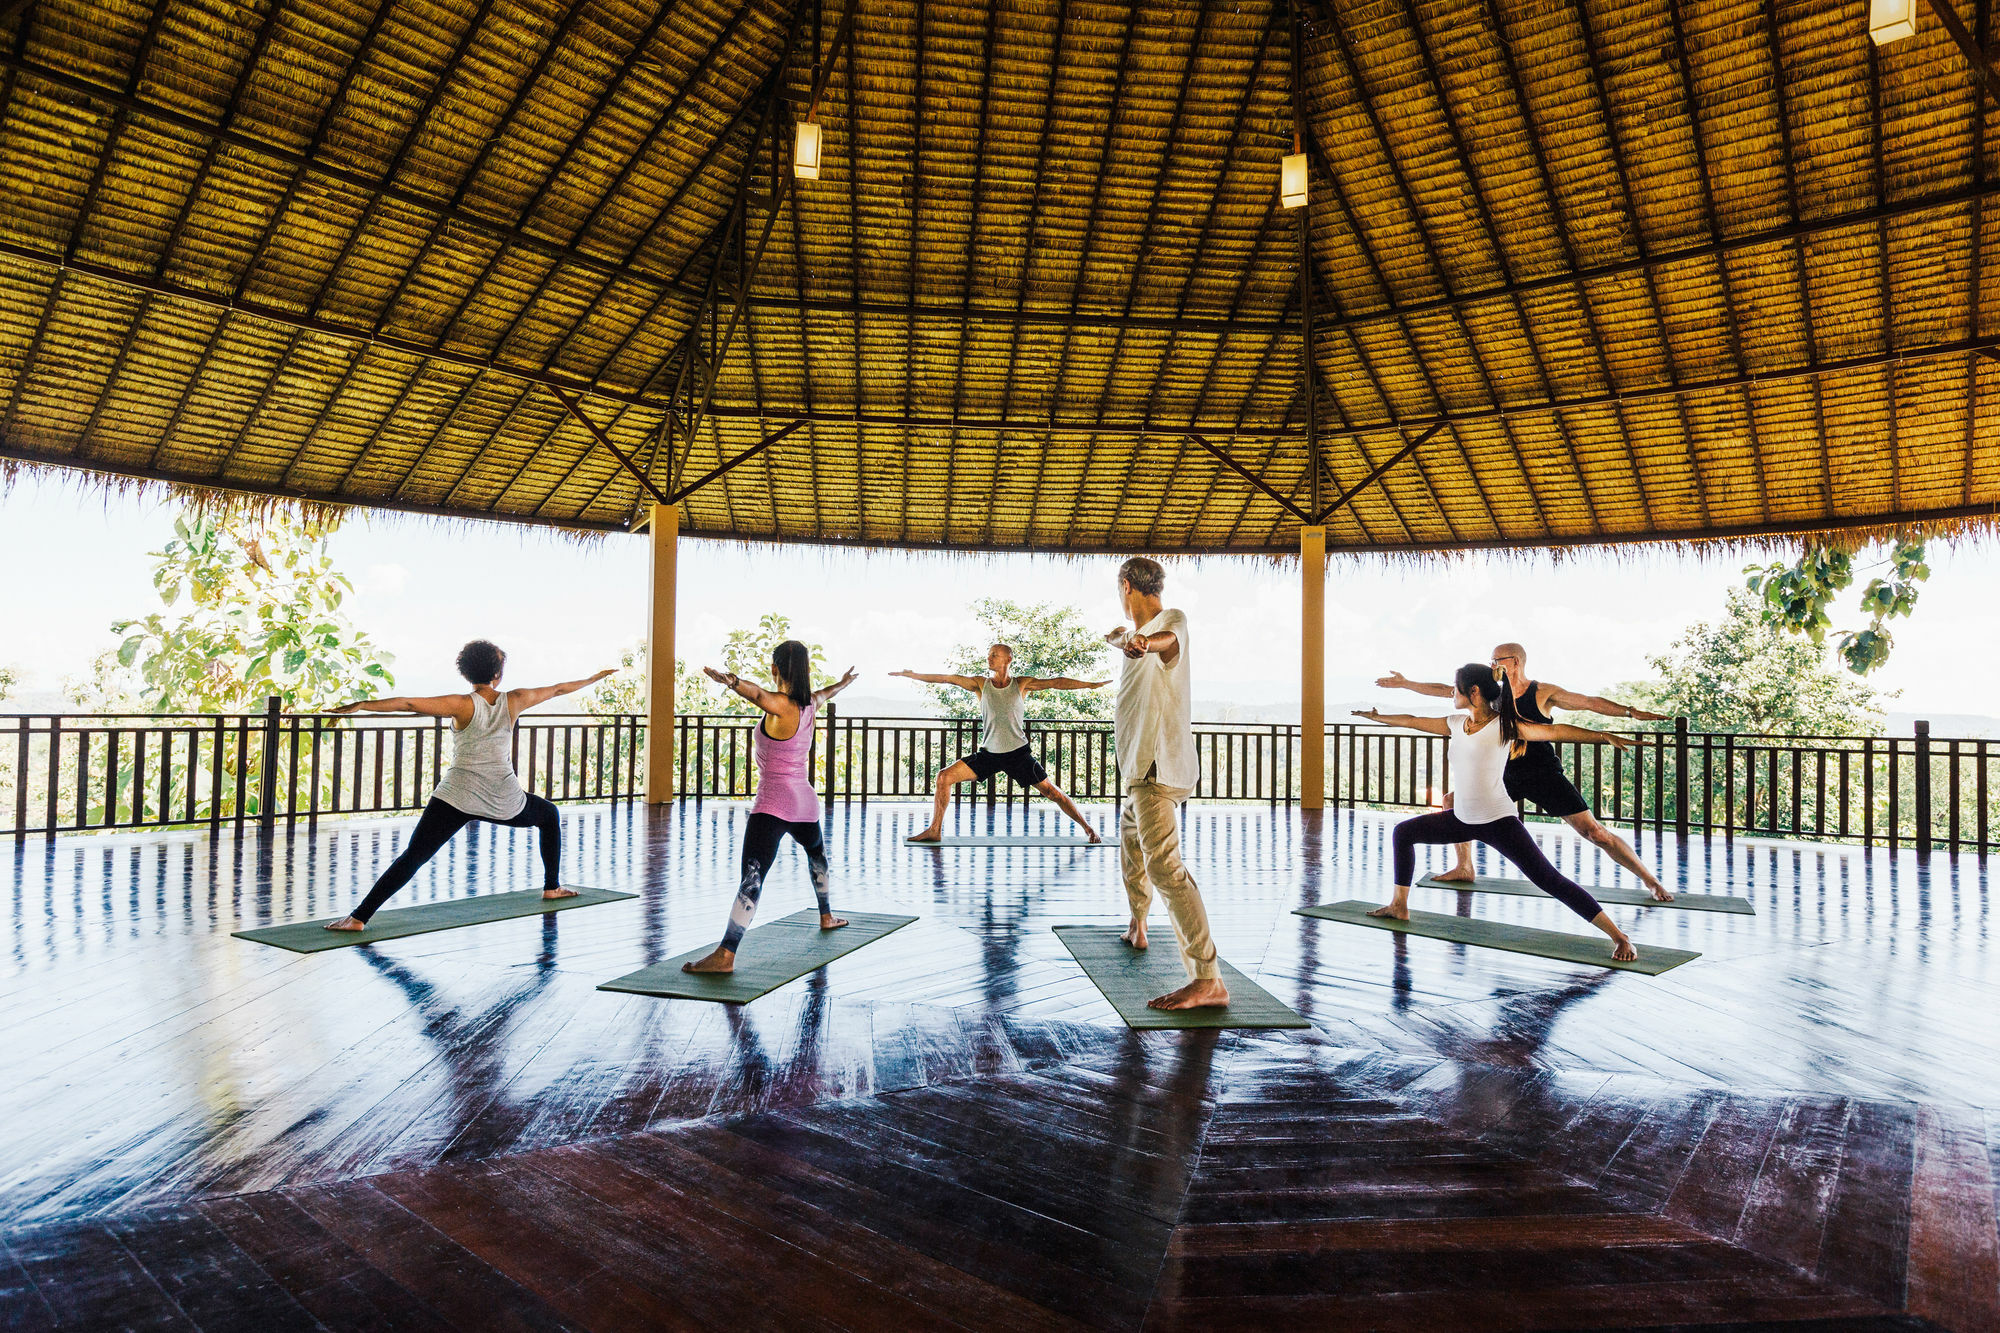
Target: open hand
1371, 714
1619, 742
1641, 715
719, 677
1395, 680
1117, 636
346, 707
604, 674
848, 678
906, 673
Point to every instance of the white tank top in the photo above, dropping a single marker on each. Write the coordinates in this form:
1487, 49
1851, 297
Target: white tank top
1478, 771
1003, 716
481, 779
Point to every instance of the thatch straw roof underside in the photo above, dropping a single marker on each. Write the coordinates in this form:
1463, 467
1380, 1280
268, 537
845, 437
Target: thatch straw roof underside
1656, 269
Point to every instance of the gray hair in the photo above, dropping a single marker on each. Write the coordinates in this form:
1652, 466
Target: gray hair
1145, 576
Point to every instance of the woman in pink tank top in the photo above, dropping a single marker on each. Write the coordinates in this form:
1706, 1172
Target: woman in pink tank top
786, 802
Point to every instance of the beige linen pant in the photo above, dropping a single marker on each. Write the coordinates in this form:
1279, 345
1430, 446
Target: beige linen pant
1149, 845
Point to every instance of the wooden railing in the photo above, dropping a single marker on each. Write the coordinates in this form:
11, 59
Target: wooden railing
62, 773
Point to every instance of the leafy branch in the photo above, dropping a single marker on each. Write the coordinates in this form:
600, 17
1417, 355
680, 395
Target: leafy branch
1796, 598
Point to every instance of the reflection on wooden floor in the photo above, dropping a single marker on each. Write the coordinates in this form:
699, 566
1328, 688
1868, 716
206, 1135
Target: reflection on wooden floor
951, 1127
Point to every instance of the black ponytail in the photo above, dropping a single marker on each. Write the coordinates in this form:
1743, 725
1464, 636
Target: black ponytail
792, 663
1480, 679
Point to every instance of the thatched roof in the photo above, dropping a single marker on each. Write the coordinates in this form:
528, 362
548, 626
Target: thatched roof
1649, 269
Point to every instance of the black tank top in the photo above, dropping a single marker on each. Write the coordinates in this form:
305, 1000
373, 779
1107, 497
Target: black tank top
1528, 704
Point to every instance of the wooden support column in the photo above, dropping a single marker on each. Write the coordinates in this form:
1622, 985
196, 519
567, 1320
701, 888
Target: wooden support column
664, 532
1312, 669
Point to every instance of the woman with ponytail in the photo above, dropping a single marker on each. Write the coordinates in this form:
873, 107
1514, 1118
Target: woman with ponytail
1480, 739
785, 802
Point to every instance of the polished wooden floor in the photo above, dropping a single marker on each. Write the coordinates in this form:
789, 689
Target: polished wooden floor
951, 1128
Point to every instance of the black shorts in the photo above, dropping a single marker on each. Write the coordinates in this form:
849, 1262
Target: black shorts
1020, 765
1537, 777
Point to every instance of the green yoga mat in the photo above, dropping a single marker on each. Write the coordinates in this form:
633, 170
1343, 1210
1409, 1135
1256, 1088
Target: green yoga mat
1521, 888
1002, 841
1129, 977
1592, 949
773, 954
396, 922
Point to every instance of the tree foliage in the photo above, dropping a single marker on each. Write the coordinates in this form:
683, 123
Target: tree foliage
250, 608
1746, 675
625, 693
1796, 598
1048, 639
9, 678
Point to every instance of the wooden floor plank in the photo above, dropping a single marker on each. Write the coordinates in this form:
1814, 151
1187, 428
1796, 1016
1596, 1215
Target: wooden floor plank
1954, 1271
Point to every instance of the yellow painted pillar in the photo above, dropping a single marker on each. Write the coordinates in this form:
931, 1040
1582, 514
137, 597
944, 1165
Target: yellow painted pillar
1312, 669
664, 532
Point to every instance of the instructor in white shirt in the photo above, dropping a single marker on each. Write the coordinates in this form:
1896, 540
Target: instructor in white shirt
1156, 759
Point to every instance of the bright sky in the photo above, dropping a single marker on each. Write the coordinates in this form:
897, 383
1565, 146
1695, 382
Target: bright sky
76, 560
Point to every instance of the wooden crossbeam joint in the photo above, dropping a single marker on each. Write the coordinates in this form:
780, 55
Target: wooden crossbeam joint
1376, 475
773, 438
1253, 479
576, 410
1988, 77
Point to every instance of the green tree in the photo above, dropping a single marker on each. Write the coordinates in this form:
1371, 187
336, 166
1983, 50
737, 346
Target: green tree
747, 652
624, 695
1745, 675
1048, 639
9, 678
251, 607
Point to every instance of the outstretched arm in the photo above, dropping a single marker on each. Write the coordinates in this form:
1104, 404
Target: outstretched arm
767, 700
1408, 721
1396, 680
455, 706
1161, 641
1591, 703
529, 695
1033, 683
1563, 731
963, 682
820, 696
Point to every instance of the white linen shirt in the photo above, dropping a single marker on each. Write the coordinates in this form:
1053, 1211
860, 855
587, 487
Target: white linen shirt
1478, 771
1155, 711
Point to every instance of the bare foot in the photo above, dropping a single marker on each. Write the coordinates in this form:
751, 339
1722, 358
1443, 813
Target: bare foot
1094, 837
1395, 911
558, 893
345, 923
1659, 892
1624, 953
928, 835
829, 922
1455, 875
722, 960
1135, 935
1209, 993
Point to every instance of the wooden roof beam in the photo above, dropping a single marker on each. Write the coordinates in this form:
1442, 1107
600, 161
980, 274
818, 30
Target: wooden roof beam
1252, 478
1374, 476
1982, 68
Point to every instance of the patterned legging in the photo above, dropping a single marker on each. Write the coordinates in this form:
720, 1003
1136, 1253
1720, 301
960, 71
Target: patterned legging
760, 849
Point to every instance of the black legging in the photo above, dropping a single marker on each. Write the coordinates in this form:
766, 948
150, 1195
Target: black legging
1509, 837
760, 849
440, 821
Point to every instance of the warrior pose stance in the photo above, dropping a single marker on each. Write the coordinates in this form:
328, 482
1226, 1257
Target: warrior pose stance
1480, 741
1534, 773
480, 784
1003, 736
1156, 756
785, 802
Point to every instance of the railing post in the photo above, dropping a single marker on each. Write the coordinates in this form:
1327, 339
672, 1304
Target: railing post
267, 780
1681, 778
1923, 790
832, 720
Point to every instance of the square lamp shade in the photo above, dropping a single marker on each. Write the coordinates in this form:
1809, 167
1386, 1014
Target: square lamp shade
1891, 20
1292, 181
805, 153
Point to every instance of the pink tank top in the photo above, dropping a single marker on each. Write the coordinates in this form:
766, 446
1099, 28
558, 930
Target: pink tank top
784, 777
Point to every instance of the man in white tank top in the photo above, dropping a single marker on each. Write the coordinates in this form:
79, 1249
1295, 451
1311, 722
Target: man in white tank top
1003, 736
1159, 768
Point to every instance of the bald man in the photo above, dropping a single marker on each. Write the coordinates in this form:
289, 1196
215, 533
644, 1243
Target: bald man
1536, 774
